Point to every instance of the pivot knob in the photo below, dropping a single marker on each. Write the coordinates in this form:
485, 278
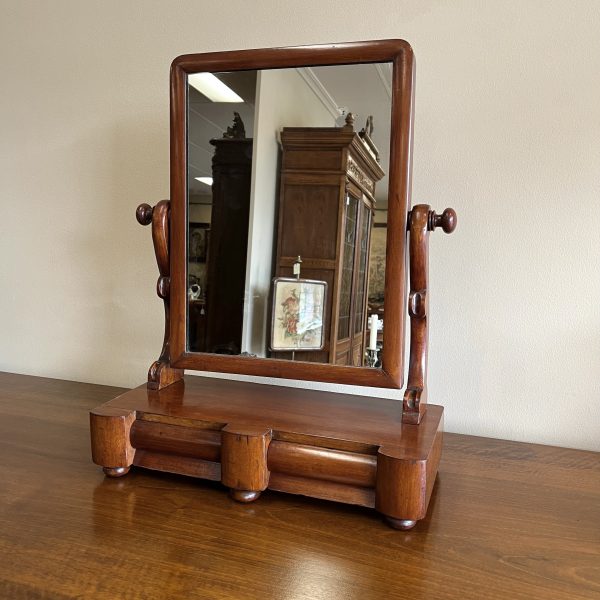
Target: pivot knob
447, 220
143, 214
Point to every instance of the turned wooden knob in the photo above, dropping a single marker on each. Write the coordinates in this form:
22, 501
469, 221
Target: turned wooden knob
447, 220
143, 214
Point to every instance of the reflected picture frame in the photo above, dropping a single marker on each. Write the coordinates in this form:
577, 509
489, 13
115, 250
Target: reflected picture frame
377, 262
298, 314
198, 237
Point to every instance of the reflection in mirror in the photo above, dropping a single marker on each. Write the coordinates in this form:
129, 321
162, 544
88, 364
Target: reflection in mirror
287, 212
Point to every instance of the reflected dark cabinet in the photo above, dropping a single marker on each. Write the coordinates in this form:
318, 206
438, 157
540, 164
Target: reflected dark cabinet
226, 275
327, 197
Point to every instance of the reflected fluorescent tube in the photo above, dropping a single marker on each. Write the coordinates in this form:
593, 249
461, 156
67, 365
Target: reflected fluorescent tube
213, 88
206, 180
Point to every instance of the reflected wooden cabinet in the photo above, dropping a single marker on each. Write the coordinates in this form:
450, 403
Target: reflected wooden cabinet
231, 171
327, 197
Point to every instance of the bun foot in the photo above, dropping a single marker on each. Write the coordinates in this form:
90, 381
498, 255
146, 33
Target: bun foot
402, 524
115, 471
243, 495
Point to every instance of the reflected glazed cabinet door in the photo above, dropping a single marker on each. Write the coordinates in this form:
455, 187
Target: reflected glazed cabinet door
349, 347
326, 204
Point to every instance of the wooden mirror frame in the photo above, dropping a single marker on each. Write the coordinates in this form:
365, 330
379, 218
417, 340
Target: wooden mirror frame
175, 356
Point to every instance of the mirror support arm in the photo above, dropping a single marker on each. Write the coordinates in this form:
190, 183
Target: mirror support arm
421, 220
160, 374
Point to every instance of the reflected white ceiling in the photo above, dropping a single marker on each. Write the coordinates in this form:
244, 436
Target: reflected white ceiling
361, 89
209, 120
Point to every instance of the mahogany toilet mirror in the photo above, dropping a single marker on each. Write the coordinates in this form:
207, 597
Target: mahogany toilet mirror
282, 253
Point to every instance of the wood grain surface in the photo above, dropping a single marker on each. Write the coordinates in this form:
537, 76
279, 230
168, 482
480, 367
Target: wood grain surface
507, 521
357, 423
322, 442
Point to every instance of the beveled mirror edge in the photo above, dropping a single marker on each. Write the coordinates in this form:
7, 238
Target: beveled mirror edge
400, 54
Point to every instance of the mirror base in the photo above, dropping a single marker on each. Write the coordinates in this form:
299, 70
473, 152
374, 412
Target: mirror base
252, 437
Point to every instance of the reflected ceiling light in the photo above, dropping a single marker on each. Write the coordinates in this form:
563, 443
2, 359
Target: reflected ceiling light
206, 180
213, 88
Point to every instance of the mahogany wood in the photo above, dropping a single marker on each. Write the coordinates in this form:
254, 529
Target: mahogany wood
161, 373
182, 440
173, 463
339, 447
340, 466
354, 423
415, 394
404, 486
111, 446
244, 460
400, 54
506, 521
322, 489
447, 220
421, 221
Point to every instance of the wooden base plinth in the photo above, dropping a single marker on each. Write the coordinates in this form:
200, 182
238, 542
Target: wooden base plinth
350, 449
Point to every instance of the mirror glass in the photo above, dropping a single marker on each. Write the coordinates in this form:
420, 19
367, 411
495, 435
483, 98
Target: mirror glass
287, 212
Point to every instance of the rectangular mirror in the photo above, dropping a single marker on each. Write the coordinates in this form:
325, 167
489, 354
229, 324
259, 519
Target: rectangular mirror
282, 183
290, 188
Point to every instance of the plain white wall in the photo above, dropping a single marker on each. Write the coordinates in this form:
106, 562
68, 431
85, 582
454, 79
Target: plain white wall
507, 132
283, 99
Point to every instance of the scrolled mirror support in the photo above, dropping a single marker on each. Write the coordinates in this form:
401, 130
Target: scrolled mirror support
160, 373
421, 220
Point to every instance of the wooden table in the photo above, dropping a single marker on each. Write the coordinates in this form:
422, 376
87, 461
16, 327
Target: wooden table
507, 520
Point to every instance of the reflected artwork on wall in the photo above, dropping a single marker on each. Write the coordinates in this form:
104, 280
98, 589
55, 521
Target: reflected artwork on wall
377, 264
199, 233
298, 314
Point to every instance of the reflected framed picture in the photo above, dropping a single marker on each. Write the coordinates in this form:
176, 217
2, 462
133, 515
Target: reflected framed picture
377, 258
198, 242
298, 314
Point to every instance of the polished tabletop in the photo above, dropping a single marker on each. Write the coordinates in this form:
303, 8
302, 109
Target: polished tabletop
506, 521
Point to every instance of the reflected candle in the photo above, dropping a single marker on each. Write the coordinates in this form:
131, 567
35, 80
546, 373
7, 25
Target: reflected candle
373, 338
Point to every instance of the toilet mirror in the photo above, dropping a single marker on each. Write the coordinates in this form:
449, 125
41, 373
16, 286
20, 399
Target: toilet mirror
290, 187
